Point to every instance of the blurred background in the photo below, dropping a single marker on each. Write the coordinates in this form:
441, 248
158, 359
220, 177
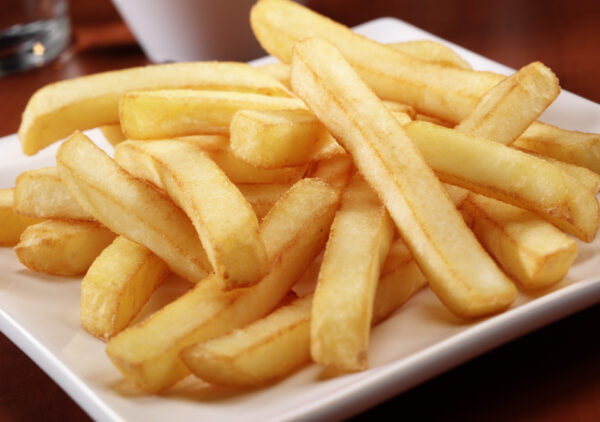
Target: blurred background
564, 34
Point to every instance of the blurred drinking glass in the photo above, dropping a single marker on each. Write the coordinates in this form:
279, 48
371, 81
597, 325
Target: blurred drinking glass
32, 33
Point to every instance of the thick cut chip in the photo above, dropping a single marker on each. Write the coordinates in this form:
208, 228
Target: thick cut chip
40, 193
459, 271
12, 223
585, 176
62, 247
280, 138
509, 175
174, 113
529, 249
239, 171
223, 218
582, 149
57, 110
295, 229
447, 92
359, 241
277, 344
508, 109
118, 283
131, 207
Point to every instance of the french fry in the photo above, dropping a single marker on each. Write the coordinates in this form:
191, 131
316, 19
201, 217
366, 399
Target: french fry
277, 344
582, 149
41, 194
62, 247
359, 241
446, 92
239, 171
431, 51
294, 232
466, 279
57, 110
130, 207
336, 171
223, 218
511, 176
279, 71
509, 108
585, 176
12, 224
280, 138
529, 249
117, 285
174, 113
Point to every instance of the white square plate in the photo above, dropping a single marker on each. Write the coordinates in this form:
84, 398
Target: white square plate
41, 315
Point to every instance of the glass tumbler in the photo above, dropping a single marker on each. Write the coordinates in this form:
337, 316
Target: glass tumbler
32, 33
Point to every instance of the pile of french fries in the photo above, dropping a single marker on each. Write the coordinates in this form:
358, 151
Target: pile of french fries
381, 168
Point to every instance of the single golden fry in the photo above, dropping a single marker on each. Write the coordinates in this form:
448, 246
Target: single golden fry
239, 171
279, 71
510, 107
62, 247
130, 207
280, 138
223, 218
12, 224
466, 279
359, 241
446, 92
41, 194
117, 285
174, 113
582, 149
511, 176
294, 232
528, 248
57, 110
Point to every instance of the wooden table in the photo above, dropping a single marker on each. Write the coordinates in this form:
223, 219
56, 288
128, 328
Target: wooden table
552, 374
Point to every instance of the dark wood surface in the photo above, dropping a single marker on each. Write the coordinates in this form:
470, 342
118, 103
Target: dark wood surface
552, 374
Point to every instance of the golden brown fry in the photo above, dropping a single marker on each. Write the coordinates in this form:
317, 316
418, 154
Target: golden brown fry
40, 193
280, 138
117, 285
57, 110
130, 207
582, 149
442, 91
223, 218
239, 171
62, 247
12, 224
431, 51
279, 71
294, 232
359, 241
174, 113
508, 109
506, 174
529, 249
466, 279
336, 171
